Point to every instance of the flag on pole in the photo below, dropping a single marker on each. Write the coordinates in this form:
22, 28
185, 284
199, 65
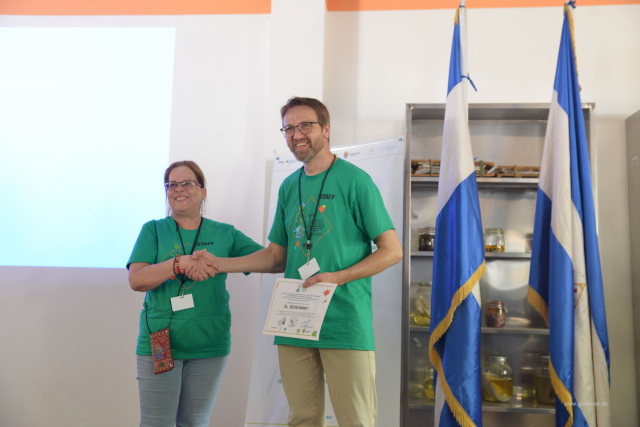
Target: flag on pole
458, 263
565, 281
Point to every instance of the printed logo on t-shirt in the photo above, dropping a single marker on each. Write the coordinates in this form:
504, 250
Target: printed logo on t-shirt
177, 250
321, 226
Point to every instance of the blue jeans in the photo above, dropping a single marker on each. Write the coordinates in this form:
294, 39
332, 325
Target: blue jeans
183, 396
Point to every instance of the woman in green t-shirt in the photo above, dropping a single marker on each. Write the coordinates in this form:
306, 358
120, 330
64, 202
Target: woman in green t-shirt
185, 301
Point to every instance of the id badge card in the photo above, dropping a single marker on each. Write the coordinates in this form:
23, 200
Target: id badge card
182, 303
309, 269
161, 351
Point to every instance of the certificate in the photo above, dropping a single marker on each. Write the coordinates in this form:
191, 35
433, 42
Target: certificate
298, 312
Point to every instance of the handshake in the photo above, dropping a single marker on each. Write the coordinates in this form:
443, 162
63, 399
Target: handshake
200, 266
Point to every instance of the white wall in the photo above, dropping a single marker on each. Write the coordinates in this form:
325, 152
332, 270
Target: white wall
296, 55
376, 62
68, 335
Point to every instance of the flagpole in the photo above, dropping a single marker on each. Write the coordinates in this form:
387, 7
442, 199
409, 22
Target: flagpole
462, 16
567, 9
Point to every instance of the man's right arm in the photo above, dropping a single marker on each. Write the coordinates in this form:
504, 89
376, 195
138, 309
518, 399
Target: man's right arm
273, 257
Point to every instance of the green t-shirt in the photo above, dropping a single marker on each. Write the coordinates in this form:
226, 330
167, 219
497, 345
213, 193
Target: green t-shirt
204, 330
350, 215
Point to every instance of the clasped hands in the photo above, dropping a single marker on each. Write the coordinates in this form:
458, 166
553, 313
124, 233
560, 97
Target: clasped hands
200, 266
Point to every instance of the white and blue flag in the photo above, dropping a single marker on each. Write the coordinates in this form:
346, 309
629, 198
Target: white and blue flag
565, 282
454, 345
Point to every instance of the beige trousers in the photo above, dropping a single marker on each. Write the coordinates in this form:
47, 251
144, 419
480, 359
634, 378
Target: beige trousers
350, 377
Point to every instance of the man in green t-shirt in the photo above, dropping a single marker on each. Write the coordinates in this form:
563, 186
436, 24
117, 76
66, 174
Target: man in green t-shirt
330, 211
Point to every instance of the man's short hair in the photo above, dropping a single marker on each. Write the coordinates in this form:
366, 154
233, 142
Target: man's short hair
318, 107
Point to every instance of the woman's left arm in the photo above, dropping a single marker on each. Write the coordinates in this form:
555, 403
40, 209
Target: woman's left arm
144, 277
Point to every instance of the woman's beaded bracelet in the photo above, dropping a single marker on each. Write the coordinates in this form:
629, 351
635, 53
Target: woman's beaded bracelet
176, 265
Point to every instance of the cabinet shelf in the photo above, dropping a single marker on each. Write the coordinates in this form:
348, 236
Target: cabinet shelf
422, 253
518, 406
420, 403
487, 255
511, 406
508, 330
525, 183
518, 330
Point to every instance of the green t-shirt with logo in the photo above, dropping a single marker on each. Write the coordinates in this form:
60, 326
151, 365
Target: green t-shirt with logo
351, 214
204, 330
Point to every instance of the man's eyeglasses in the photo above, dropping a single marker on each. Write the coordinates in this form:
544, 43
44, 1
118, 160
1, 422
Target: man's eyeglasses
303, 128
187, 185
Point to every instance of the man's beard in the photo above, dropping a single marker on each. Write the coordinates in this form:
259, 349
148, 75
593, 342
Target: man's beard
314, 148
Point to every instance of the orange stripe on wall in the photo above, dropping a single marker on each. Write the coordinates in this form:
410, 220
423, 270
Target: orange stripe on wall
222, 7
133, 7
364, 5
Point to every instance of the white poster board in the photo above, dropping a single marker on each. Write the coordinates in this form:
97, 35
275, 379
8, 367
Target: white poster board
267, 404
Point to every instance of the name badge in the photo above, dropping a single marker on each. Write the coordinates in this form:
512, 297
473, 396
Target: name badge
309, 269
182, 302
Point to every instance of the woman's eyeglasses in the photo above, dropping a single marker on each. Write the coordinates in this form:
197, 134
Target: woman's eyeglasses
187, 185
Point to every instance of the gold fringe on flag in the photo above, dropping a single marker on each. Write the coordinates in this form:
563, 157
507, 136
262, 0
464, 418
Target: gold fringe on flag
458, 411
562, 392
538, 303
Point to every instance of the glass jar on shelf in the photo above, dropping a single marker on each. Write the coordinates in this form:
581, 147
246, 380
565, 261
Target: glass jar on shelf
544, 390
527, 381
493, 240
421, 304
429, 389
418, 366
497, 379
496, 314
528, 242
426, 238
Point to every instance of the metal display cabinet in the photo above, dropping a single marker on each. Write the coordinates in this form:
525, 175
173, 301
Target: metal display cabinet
506, 134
